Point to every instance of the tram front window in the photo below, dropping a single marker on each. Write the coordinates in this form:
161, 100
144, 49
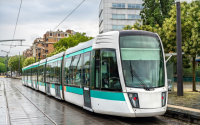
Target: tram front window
142, 61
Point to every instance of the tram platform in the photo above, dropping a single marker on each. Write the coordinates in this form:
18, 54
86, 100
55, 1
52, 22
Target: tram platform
28, 106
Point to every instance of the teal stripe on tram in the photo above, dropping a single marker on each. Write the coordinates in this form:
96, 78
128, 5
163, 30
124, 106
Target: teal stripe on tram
107, 95
74, 90
42, 63
79, 52
53, 86
55, 60
60, 87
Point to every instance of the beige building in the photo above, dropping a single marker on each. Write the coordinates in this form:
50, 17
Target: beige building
44, 46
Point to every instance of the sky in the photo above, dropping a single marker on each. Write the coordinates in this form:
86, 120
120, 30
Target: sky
39, 16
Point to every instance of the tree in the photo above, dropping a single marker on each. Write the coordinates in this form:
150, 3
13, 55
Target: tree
28, 61
14, 62
128, 27
155, 11
56, 51
190, 28
2, 60
68, 42
2, 68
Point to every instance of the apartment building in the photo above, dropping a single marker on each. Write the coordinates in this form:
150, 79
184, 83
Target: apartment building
44, 46
115, 14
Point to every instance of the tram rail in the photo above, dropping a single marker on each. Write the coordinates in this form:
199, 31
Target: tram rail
36, 106
108, 117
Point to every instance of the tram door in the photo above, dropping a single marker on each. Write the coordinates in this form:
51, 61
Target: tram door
86, 79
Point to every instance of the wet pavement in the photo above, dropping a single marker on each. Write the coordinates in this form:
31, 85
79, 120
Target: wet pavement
28, 106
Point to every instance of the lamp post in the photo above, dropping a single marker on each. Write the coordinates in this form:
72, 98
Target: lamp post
179, 50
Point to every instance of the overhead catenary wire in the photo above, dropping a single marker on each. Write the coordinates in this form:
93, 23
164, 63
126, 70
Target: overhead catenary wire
16, 23
68, 15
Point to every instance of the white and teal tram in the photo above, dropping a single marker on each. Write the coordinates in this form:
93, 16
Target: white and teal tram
120, 73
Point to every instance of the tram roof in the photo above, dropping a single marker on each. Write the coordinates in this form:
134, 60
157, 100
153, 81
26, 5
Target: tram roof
137, 32
80, 46
55, 56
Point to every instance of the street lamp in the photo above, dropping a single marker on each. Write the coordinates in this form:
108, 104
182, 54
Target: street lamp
179, 50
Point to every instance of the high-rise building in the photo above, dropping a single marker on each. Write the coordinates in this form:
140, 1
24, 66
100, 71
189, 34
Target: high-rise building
115, 14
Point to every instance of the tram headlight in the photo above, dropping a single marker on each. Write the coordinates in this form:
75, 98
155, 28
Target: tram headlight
134, 99
163, 97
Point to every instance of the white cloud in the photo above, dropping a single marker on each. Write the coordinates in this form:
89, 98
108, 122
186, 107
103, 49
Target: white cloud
36, 17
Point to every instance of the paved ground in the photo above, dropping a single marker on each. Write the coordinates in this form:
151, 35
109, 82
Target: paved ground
190, 99
47, 110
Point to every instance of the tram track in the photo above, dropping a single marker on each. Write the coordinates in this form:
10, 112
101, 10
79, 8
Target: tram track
8, 121
105, 116
37, 107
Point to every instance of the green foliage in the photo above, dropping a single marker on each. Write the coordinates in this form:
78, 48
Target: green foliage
2, 60
28, 61
128, 27
56, 51
68, 42
190, 28
2, 67
155, 11
72, 40
14, 62
188, 72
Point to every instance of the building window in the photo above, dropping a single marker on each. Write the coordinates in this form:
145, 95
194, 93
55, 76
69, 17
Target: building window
134, 17
54, 34
131, 16
136, 6
58, 39
66, 34
46, 51
58, 34
117, 27
46, 45
118, 5
50, 35
118, 16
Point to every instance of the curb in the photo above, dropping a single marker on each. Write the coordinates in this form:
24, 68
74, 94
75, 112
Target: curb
184, 115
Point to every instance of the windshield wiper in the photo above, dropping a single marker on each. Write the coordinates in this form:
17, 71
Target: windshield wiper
136, 76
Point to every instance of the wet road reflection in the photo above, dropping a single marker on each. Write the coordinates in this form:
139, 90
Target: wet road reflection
63, 112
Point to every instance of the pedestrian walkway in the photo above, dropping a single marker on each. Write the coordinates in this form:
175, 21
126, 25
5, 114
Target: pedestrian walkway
184, 108
3, 112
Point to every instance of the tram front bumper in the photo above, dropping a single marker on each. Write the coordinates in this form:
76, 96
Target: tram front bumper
150, 112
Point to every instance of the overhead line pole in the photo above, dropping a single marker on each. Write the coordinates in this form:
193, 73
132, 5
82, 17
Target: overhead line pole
179, 50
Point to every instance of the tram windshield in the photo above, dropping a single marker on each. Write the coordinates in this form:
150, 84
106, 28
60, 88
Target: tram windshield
142, 61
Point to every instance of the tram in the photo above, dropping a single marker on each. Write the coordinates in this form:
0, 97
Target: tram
120, 73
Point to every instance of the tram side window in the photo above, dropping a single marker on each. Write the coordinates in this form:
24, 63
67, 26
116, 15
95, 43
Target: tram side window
48, 67
41, 73
59, 71
67, 70
109, 71
56, 75
52, 72
86, 69
33, 74
76, 65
